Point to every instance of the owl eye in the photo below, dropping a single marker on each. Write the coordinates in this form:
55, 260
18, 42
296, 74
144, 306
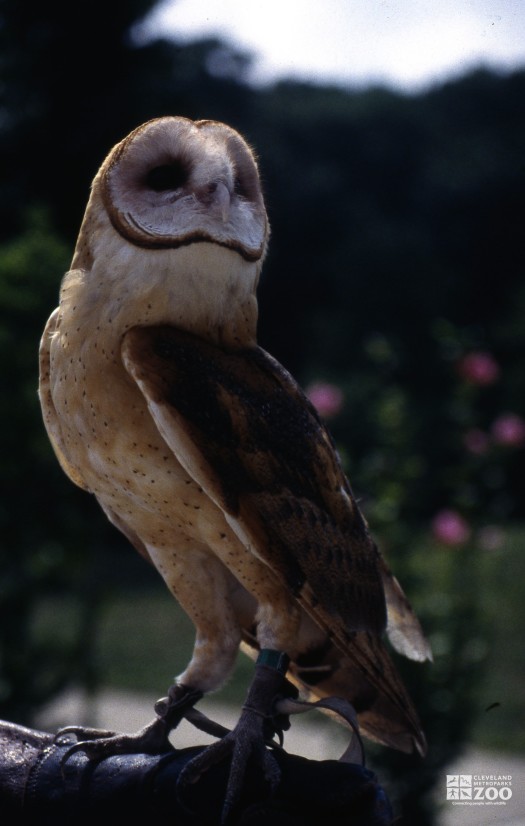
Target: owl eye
169, 176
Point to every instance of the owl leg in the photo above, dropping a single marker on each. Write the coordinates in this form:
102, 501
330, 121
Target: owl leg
203, 592
255, 729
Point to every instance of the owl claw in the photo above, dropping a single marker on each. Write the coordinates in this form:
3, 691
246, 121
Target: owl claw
98, 744
249, 739
245, 743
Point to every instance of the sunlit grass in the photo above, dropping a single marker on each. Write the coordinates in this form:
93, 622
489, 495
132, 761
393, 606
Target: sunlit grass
145, 640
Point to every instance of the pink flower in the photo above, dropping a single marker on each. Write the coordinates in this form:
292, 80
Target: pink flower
449, 527
479, 367
476, 441
509, 430
326, 398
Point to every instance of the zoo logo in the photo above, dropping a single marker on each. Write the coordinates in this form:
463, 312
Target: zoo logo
467, 789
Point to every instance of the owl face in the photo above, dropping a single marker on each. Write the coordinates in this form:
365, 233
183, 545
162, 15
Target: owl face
174, 182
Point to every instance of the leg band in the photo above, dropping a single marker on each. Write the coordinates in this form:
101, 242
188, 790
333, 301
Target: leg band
277, 660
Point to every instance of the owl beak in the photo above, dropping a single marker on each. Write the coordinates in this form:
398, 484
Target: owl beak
222, 200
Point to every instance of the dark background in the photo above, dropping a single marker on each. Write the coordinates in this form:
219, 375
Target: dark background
396, 252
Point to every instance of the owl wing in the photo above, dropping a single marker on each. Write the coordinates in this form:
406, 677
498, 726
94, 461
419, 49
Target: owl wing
242, 428
51, 419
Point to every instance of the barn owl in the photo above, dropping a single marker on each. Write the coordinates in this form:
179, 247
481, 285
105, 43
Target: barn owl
203, 450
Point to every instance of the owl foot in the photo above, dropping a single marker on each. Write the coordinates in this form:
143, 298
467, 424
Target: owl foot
98, 744
254, 732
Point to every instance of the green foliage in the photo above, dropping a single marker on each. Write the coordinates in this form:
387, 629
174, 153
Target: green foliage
28, 267
437, 470
45, 527
500, 696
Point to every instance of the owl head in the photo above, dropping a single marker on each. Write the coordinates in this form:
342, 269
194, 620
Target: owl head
173, 182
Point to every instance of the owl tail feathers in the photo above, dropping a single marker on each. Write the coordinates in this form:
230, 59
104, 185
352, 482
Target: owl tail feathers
367, 678
403, 628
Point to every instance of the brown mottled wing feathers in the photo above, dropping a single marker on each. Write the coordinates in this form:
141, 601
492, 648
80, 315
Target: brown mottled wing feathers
243, 429
258, 448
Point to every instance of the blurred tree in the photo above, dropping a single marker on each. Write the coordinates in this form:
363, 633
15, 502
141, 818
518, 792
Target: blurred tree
405, 483
75, 81
35, 500
392, 212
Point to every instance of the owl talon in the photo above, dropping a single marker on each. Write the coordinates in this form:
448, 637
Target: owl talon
245, 743
98, 744
152, 739
83, 732
249, 739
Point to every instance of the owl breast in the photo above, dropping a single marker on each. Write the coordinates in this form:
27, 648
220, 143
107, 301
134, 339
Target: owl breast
109, 435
